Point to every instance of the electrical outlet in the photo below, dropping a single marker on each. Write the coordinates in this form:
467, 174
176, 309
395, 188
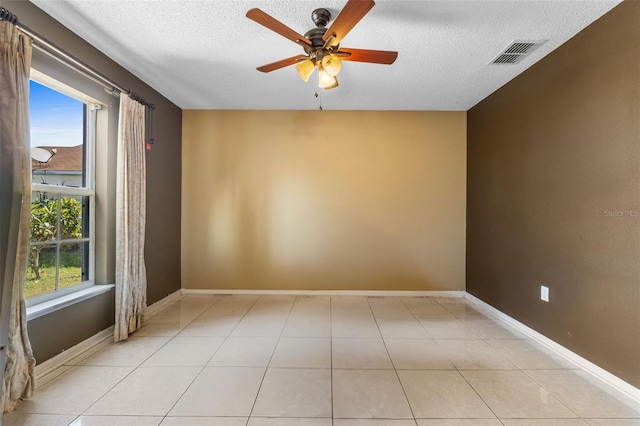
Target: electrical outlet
544, 293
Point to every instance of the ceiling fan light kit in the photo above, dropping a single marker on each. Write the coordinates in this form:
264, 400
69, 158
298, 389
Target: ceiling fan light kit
332, 64
326, 81
305, 69
322, 45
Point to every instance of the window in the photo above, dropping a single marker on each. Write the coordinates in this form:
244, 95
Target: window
61, 258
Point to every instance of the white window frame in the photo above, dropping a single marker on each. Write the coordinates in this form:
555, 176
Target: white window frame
87, 191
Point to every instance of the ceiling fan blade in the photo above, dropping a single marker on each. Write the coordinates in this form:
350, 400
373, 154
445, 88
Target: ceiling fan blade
373, 56
350, 15
282, 63
274, 25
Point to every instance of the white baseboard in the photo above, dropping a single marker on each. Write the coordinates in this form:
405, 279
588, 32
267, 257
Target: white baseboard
331, 292
401, 293
103, 338
93, 343
162, 303
586, 365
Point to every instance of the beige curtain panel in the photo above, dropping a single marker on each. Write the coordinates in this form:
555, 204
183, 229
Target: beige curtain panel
15, 49
131, 275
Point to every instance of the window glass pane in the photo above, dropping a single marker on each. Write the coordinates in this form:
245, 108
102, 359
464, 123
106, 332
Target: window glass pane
44, 217
86, 253
71, 217
41, 273
61, 252
70, 272
57, 137
53, 264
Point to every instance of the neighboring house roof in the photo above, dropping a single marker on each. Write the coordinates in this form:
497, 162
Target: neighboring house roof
66, 158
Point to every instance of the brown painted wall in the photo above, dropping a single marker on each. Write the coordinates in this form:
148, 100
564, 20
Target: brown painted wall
345, 200
163, 187
53, 333
554, 195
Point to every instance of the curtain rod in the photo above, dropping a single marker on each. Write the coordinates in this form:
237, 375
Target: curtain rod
60, 55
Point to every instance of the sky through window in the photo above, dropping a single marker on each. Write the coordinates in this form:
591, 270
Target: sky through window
56, 119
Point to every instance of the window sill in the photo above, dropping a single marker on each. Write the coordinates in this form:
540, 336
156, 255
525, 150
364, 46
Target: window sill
44, 308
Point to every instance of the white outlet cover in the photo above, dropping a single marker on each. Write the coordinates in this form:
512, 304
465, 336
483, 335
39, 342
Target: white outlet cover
544, 293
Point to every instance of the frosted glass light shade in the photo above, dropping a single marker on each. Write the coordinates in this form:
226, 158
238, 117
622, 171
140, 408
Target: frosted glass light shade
332, 65
305, 69
326, 81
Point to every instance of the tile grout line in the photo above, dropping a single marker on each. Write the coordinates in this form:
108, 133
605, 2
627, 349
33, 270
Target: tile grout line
253, 406
560, 400
457, 370
485, 369
206, 363
216, 300
478, 393
391, 360
136, 367
419, 322
331, 355
224, 340
216, 351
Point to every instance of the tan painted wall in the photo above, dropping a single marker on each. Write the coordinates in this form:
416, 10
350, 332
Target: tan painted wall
366, 200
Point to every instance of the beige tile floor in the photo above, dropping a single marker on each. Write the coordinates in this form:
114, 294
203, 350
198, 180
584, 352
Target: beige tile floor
318, 361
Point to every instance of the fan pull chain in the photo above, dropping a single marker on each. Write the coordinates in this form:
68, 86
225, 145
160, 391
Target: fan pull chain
317, 95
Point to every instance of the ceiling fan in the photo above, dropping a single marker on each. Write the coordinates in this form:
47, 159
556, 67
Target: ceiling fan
322, 45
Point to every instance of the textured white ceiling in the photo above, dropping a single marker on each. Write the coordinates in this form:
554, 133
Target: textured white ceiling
203, 54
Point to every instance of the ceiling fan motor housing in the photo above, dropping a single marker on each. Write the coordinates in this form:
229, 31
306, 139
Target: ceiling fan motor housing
315, 36
321, 17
